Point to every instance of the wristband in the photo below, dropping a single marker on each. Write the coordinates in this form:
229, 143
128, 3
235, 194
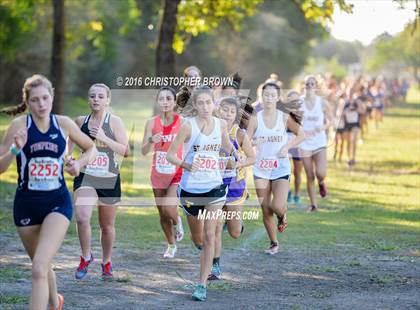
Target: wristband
14, 150
150, 140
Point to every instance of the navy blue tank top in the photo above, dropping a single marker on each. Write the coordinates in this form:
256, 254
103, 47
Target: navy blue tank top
40, 162
104, 164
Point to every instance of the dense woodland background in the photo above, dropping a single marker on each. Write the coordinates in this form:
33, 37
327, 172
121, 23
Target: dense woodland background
77, 43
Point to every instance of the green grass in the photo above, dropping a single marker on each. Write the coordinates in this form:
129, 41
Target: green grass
375, 207
10, 274
12, 299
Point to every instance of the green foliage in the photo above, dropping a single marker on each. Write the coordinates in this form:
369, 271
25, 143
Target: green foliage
99, 22
385, 52
204, 16
321, 12
345, 52
277, 39
323, 65
409, 43
228, 36
16, 25
403, 48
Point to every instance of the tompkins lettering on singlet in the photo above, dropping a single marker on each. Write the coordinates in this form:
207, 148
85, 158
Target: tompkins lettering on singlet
40, 162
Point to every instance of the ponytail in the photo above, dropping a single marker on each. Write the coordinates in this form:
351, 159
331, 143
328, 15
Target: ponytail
31, 82
13, 111
292, 106
182, 98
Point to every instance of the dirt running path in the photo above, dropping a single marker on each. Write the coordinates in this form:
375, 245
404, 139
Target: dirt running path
339, 278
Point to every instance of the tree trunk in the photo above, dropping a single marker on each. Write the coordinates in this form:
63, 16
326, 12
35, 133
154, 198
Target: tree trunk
165, 54
57, 57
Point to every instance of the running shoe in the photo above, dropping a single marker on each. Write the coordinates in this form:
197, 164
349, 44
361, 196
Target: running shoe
170, 251
289, 197
60, 303
282, 223
197, 248
200, 293
296, 200
323, 189
107, 270
216, 272
273, 249
179, 230
82, 270
312, 208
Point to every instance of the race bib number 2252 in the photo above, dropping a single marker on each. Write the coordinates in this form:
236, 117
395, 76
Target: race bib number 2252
44, 174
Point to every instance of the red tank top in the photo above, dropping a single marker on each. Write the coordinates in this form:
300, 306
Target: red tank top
163, 172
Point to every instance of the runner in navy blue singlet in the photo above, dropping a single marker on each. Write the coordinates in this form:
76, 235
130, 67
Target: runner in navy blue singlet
42, 207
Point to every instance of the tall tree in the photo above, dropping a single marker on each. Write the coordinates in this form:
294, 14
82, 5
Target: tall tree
57, 57
205, 16
165, 55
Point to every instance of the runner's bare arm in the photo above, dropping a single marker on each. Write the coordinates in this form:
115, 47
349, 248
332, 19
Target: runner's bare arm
328, 116
15, 134
252, 127
246, 146
70, 144
146, 145
79, 138
120, 144
183, 136
226, 144
360, 107
294, 127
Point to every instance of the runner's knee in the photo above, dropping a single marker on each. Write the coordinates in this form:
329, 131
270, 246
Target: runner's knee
310, 177
83, 218
235, 233
39, 269
209, 236
108, 229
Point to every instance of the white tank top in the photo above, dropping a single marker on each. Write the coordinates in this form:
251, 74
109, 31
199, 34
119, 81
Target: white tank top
206, 150
268, 165
313, 119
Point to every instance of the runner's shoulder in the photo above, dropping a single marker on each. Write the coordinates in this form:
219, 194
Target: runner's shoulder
63, 120
19, 121
80, 119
